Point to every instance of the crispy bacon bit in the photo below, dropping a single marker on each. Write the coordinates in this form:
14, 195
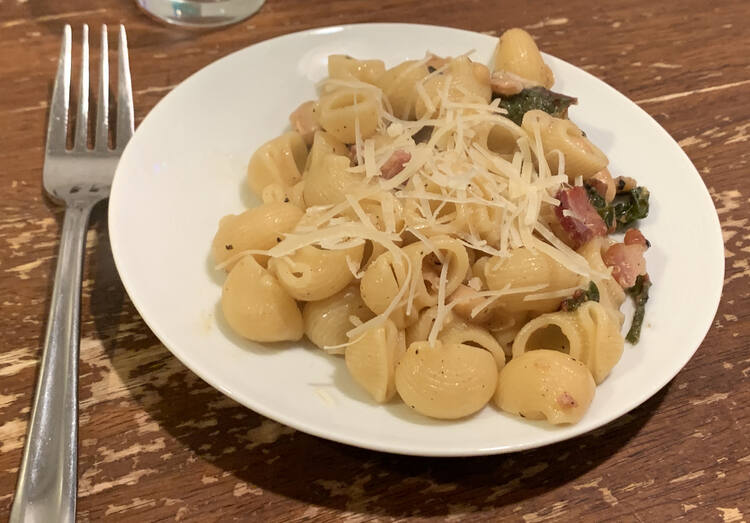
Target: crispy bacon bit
626, 259
578, 217
395, 164
625, 184
506, 83
636, 237
303, 121
353, 153
566, 401
603, 183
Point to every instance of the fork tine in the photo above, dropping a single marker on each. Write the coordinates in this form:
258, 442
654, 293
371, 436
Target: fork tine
57, 129
82, 118
124, 94
102, 106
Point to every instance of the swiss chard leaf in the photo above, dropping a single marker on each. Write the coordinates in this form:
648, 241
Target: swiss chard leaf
639, 292
538, 97
625, 209
580, 297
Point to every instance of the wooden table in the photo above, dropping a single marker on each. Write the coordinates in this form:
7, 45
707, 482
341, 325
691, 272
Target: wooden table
157, 443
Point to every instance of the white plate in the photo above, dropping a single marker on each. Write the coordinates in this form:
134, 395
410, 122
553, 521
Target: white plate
185, 168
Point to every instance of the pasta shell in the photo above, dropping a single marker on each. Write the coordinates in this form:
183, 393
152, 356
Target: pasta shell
462, 81
327, 321
589, 334
582, 158
516, 52
545, 384
344, 67
468, 334
280, 160
256, 307
447, 381
312, 273
344, 111
371, 360
258, 228
525, 267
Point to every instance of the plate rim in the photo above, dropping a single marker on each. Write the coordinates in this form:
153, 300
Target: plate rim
373, 444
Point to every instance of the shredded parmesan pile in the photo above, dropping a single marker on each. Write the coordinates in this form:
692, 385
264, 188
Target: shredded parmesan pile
453, 185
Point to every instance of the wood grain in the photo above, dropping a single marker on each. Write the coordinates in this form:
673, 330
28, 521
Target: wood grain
157, 443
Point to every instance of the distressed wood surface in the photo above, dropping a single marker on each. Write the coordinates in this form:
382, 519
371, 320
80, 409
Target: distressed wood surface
157, 443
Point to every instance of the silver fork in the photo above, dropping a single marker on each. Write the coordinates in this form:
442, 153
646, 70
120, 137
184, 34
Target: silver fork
78, 178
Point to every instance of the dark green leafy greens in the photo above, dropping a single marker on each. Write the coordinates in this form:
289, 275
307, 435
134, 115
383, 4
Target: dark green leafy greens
580, 297
626, 208
639, 292
538, 97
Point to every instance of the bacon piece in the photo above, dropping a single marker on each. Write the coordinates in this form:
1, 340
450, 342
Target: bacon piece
636, 237
626, 259
303, 121
395, 164
604, 184
506, 83
578, 217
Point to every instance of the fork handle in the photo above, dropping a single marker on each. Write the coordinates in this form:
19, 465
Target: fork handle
47, 479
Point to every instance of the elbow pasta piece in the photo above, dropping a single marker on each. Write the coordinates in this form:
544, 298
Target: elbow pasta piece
329, 181
258, 228
340, 112
256, 307
545, 384
582, 158
447, 380
468, 334
327, 321
371, 360
280, 161
399, 85
516, 52
589, 334
344, 67
312, 273
523, 268
463, 80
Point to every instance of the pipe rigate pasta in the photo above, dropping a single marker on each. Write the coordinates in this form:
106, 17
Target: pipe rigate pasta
446, 380
313, 273
280, 161
462, 81
259, 228
589, 334
545, 384
348, 112
524, 268
344, 67
328, 320
517, 53
256, 307
372, 357
399, 85
582, 158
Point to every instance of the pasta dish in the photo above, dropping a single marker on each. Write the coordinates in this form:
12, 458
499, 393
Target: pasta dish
446, 228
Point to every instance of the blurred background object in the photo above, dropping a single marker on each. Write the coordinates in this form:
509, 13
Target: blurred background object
200, 13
